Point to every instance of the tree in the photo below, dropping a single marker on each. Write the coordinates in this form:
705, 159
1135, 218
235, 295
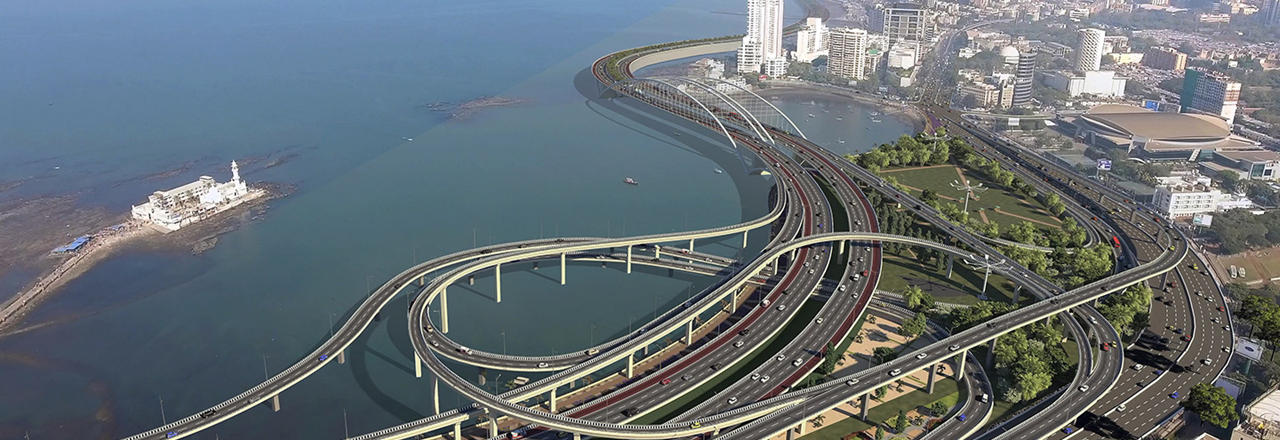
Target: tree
938, 408
1230, 180
1254, 306
817, 421
1213, 404
879, 433
884, 354
882, 391
831, 357
900, 424
914, 327
929, 196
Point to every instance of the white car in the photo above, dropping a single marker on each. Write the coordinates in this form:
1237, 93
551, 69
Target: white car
782, 306
1137, 367
819, 320
764, 379
810, 271
851, 382
1121, 408
764, 303
738, 344
841, 287
543, 365
781, 357
755, 376
895, 372
1084, 388
954, 347
797, 362
1093, 320
922, 355
733, 400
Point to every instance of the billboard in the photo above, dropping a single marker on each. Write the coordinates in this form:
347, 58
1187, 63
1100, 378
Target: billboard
1161, 106
1150, 104
1205, 220
1104, 164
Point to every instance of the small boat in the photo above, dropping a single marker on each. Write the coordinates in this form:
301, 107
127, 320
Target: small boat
630, 181
874, 113
407, 139
677, 133
810, 115
838, 118
840, 140
875, 120
826, 111
719, 171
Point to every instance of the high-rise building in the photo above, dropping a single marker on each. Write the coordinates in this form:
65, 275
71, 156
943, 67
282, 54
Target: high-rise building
811, 41
1024, 77
1164, 58
1212, 93
764, 35
775, 66
847, 53
1269, 15
1089, 50
902, 22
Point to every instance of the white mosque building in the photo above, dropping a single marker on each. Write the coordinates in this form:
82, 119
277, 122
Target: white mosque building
171, 210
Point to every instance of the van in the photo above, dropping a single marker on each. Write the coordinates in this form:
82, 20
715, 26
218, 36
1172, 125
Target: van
985, 398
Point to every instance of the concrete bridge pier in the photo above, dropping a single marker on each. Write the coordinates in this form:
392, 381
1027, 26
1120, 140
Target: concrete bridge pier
422, 280
657, 252
577, 436
628, 259
471, 280
744, 239
803, 429
688, 333
457, 430
960, 361
275, 403
933, 375
493, 427
553, 401
991, 353
444, 310
1133, 215
865, 398
417, 365
1016, 289
631, 366
690, 245
497, 279
949, 261
342, 356
435, 394
561, 268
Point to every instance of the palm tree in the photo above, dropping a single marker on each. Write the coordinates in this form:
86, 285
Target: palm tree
817, 421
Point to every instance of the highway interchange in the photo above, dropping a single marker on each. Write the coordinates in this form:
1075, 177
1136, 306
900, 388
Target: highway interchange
792, 267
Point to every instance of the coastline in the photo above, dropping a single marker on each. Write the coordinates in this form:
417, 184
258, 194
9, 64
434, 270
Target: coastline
905, 111
199, 237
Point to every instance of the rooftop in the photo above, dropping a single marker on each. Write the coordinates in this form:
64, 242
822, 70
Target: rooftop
1140, 122
1251, 156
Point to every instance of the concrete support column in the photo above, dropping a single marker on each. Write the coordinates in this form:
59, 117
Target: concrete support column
933, 375
628, 259
1133, 215
842, 247
342, 357
562, 269
553, 401
444, 310
960, 364
688, 333
984, 280
435, 394
417, 365
949, 261
657, 251
457, 431
1016, 289
744, 239
865, 398
991, 353
422, 280
803, 429
493, 426
497, 280
791, 434
631, 366
577, 436
275, 403
690, 245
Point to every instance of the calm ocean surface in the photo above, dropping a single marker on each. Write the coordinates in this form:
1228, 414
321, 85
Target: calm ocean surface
109, 92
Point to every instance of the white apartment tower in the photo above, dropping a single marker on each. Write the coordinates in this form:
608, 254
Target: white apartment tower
847, 53
1089, 50
764, 35
811, 41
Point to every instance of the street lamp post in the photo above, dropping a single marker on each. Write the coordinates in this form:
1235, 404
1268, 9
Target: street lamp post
968, 189
163, 420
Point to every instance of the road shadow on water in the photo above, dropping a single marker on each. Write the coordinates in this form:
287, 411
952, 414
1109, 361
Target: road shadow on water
358, 355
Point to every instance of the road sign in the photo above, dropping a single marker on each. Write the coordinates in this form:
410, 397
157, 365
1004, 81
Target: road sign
1104, 164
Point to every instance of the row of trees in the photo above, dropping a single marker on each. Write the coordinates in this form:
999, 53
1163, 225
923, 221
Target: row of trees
1239, 230
1027, 362
908, 151
918, 300
1070, 235
1128, 310
1068, 269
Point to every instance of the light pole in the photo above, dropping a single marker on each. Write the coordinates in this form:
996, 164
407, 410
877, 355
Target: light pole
968, 189
163, 420
504, 342
346, 431
264, 367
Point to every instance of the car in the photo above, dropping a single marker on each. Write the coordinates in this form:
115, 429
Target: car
744, 332
733, 400
1093, 320
1206, 361
1172, 248
922, 355
1084, 388
842, 289
755, 376
429, 329
1121, 408
208, 413
686, 377
1142, 384
1186, 338
851, 382
738, 344
322, 358
819, 320
561, 434
1137, 367
171, 434
666, 381
782, 307
954, 347
797, 362
781, 357
716, 366
1174, 395
864, 273
1106, 347
962, 417
1178, 330
592, 352
543, 365
764, 303
1220, 309
895, 372
1227, 328
435, 343
764, 379
695, 425
810, 271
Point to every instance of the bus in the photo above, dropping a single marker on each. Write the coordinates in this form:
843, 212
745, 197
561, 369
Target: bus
1115, 241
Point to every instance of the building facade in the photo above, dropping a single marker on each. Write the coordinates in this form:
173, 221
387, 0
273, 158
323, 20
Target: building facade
1025, 76
903, 22
1212, 93
1259, 164
1165, 58
847, 53
764, 35
1099, 83
811, 42
1176, 201
1089, 50
171, 210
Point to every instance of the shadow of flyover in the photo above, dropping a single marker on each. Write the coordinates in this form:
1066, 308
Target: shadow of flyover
1103, 426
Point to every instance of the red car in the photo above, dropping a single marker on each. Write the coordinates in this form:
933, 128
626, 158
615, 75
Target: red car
864, 273
1186, 338
666, 381
1220, 309
1106, 347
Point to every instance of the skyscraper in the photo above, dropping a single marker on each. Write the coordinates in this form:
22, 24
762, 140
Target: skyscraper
1024, 77
811, 41
764, 29
902, 22
1212, 93
1089, 50
847, 53
1269, 15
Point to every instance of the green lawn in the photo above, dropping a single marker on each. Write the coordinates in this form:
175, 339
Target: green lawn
945, 390
839, 223
939, 180
896, 273
730, 374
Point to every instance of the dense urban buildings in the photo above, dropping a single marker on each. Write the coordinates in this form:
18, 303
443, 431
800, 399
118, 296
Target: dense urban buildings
1098, 83
1210, 92
847, 53
1089, 50
1270, 13
1164, 58
811, 41
763, 40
